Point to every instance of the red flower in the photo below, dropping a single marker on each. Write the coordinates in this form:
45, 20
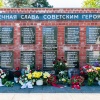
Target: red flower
64, 61
80, 68
17, 68
77, 87
52, 79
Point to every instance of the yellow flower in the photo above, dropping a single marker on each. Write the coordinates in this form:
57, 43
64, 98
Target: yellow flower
97, 68
46, 75
1, 3
36, 74
63, 79
29, 76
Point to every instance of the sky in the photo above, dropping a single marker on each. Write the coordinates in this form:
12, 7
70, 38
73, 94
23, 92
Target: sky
66, 3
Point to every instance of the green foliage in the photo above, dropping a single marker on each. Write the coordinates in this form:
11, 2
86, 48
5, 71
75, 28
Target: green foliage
4, 80
91, 4
92, 73
59, 65
41, 4
27, 3
18, 3
9, 84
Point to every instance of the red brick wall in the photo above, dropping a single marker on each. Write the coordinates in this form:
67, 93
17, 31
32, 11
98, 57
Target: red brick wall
16, 46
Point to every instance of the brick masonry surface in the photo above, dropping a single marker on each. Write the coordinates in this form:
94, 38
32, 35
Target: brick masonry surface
16, 47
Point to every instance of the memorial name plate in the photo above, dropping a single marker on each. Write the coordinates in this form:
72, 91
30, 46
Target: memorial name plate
6, 59
6, 35
72, 35
71, 57
93, 56
93, 35
27, 58
27, 35
48, 58
49, 35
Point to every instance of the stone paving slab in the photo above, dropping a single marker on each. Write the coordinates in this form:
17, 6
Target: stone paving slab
49, 96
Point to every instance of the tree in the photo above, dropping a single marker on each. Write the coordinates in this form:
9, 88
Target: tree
18, 3
26, 3
1, 3
91, 4
41, 4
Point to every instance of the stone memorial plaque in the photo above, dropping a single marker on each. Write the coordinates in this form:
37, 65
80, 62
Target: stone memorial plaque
93, 56
27, 35
49, 35
6, 59
27, 58
72, 35
93, 35
6, 35
71, 57
48, 58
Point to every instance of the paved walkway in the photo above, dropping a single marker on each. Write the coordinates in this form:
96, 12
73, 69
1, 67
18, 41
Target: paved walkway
49, 89
50, 93
50, 96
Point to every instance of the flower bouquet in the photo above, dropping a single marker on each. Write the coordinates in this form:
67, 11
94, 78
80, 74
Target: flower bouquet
83, 70
76, 81
2, 77
59, 65
23, 79
52, 80
26, 79
46, 75
92, 73
62, 77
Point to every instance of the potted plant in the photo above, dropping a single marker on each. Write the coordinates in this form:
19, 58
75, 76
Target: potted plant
38, 76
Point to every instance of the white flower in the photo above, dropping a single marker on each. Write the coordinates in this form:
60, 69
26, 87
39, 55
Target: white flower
46, 75
61, 72
96, 78
60, 63
21, 82
32, 83
33, 80
66, 64
2, 76
25, 78
63, 79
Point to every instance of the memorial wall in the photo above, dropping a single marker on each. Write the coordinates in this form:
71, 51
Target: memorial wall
37, 37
